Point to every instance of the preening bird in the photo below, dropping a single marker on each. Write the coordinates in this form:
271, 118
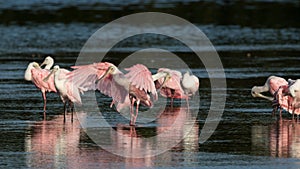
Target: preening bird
36, 74
176, 86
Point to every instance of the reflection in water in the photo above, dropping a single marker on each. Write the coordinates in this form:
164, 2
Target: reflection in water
281, 139
53, 144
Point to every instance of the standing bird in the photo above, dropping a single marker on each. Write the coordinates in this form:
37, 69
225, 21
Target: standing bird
137, 86
278, 88
36, 74
294, 91
67, 90
176, 86
190, 84
272, 85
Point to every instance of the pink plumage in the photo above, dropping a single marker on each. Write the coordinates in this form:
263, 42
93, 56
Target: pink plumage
172, 88
140, 76
37, 78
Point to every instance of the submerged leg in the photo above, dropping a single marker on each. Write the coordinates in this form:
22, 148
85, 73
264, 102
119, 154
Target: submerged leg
187, 103
131, 111
65, 111
136, 110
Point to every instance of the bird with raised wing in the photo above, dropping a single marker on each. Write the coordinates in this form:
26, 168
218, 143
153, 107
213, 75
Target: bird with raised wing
137, 86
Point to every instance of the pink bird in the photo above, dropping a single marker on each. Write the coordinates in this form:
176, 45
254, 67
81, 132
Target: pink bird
176, 86
67, 90
36, 74
272, 85
278, 88
137, 86
290, 95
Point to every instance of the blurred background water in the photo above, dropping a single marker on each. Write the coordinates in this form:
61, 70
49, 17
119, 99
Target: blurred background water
254, 39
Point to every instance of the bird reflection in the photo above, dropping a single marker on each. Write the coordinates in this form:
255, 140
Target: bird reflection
281, 139
174, 129
66, 145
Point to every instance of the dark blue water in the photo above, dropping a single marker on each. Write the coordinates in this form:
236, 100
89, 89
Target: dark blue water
255, 39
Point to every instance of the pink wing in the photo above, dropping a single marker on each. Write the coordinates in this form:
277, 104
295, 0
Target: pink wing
275, 83
38, 76
141, 77
112, 89
73, 92
85, 76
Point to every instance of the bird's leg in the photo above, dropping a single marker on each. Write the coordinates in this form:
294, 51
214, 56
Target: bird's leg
293, 114
187, 103
65, 111
280, 112
45, 103
72, 110
131, 110
136, 110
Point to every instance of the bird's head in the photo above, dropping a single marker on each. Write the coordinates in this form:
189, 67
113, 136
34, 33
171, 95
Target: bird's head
253, 93
49, 61
110, 70
35, 65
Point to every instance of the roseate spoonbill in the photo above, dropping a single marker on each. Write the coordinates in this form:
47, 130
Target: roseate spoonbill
49, 62
272, 85
125, 89
177, 86
138, 84
190, 84
36, 74
67, 90
294, 91
278, 88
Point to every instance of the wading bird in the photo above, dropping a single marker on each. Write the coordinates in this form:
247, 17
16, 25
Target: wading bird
68, 92
36, 74
136, 86
294, 92
176, 86
272, 85
278, 88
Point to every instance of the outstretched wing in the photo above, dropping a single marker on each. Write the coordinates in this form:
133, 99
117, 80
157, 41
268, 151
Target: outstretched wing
139, 76
86, 76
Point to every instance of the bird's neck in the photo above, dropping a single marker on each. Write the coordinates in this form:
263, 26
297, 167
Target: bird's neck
48, 66
158, 75
28, 76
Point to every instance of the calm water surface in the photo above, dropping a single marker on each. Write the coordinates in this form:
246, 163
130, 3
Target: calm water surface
253, 38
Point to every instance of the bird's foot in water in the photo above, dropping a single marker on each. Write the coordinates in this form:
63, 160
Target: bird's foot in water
275, 103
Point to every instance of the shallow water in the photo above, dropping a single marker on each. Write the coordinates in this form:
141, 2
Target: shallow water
251, 46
